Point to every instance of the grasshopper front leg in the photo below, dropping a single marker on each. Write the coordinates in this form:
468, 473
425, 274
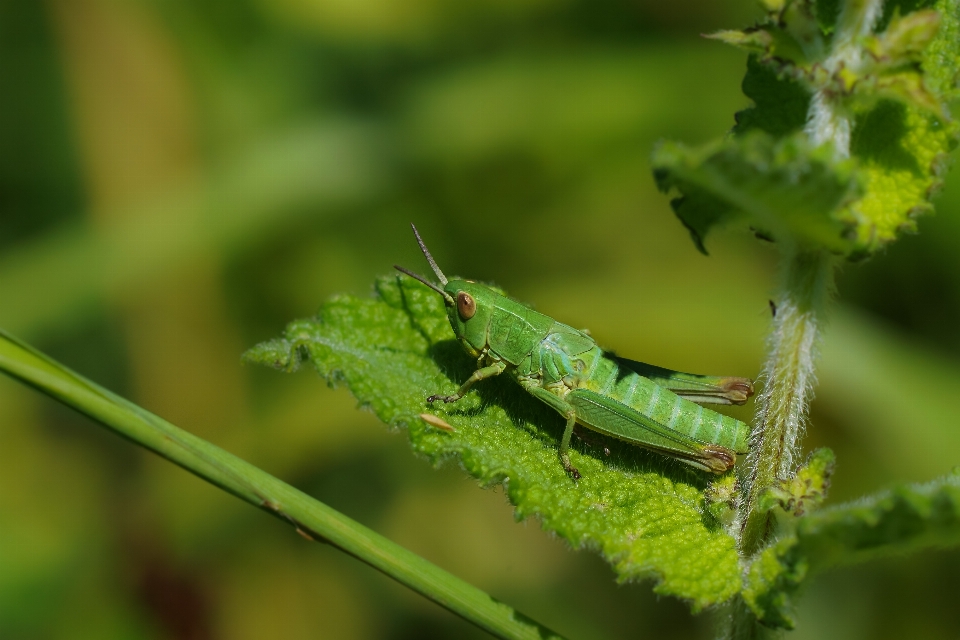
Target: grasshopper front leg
494, 369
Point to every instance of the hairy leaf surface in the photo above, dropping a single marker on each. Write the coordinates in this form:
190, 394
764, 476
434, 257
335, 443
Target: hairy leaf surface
644, 513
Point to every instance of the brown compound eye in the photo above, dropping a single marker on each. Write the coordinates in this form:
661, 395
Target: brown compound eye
466, 306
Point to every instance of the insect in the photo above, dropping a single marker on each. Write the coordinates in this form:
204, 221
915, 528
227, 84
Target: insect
642, 404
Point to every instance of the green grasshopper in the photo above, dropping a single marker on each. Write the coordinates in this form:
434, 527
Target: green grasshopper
635, 402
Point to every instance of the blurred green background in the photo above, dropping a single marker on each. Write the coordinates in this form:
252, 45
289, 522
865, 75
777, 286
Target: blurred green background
180, 179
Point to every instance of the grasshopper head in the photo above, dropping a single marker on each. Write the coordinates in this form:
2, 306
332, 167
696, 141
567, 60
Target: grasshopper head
470, 313
469, 304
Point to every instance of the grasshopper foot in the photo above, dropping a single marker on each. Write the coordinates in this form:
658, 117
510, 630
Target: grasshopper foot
569, 468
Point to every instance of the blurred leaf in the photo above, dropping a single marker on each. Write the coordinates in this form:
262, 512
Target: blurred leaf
399, 23
644, 515
902, 423
784, 188
278, 180
780, 103
906, 519
905, 39
568, 109
902, 147
788, 37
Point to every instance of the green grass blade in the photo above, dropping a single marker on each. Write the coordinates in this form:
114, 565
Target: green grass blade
309, 516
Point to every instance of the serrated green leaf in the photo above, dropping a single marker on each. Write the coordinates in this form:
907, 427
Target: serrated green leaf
780, 103
644, 513
789, 37
902, 149
906, 519
784, 188
941, 57
757, 41
902, 153
769, 44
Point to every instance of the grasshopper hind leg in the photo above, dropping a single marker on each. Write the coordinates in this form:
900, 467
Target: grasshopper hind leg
571, 417
565, 409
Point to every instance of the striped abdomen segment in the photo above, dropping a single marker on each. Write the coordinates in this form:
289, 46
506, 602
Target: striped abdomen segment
664, 407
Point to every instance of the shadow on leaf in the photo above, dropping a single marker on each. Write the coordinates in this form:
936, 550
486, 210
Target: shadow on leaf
540, 421
880, 137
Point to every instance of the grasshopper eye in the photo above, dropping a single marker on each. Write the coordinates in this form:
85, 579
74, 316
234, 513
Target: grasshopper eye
466, 305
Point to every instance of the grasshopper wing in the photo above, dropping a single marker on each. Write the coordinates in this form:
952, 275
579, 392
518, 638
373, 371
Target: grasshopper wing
613, 418
694, 387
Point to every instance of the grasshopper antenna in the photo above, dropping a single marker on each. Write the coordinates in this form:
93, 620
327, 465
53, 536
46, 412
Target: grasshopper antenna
426, 252
446, 296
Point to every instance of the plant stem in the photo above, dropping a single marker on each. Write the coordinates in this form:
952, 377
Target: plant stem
806, 286
743, 624
311, 518
827, 118
789, 378
827, 122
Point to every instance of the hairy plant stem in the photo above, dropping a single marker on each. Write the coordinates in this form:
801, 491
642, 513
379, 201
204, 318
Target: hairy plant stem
806, 286
807, 277
788, 383
744, 625
827, 119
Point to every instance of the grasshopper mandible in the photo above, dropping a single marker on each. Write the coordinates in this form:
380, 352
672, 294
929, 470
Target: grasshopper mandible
638, 403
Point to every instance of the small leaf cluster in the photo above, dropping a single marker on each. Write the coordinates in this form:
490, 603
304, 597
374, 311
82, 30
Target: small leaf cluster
804, 491
796, 39
850, 108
